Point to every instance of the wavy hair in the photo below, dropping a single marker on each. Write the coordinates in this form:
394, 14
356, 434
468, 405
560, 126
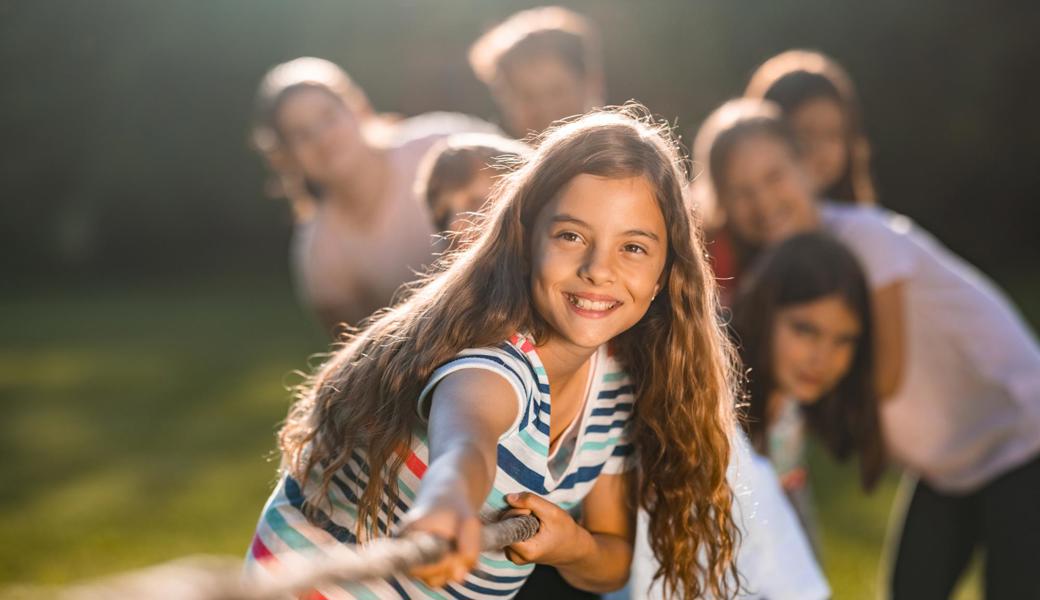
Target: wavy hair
680, 360
803, 269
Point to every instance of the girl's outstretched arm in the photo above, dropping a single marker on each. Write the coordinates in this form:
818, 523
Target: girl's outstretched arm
594, 557
889, 337
470, 411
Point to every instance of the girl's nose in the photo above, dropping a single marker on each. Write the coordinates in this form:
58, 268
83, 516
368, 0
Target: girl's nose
598, 266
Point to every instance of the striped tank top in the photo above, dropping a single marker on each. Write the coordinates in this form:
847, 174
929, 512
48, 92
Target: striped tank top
598, 444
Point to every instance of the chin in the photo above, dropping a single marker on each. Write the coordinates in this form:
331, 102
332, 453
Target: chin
807, 397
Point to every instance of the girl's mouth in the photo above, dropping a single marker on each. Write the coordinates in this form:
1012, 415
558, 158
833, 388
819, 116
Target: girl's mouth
589, 307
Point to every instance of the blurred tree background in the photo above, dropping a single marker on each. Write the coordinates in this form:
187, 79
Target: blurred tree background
147, 323
126, 122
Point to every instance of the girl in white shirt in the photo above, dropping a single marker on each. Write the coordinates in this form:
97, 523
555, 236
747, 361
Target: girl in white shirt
957, 368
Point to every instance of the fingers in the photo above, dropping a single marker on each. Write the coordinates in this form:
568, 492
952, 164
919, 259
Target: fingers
436, 574
467, 548
515, 556
514, 512
534, 504
458, 562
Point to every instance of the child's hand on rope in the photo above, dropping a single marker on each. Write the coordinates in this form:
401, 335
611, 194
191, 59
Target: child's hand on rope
560, 540
451, 519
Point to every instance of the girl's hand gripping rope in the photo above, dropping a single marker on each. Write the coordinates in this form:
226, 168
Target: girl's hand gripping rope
451, 519
560, 540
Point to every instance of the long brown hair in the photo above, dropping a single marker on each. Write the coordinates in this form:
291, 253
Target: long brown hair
680, 360
792, 78
802, 269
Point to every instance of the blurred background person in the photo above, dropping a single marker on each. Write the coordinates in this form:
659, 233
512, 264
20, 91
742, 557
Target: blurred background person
362, 231
957, 369
541, 65
802, 322
457, 175
819, 100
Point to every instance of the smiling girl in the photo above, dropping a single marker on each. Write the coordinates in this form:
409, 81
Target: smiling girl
579, 326
956, 367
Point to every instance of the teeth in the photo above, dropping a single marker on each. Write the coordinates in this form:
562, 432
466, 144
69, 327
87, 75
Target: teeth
585, 304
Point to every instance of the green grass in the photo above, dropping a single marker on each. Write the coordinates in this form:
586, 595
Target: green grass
138, 426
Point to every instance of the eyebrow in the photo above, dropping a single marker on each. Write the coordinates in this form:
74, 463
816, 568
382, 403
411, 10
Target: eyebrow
566, 218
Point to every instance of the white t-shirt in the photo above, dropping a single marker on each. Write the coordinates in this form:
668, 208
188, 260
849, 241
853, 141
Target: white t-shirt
774, 558
968, 407
357, 268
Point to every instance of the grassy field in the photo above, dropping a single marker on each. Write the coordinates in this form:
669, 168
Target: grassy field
138, 426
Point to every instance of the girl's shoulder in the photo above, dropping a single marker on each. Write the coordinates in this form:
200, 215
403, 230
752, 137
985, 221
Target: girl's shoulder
514, 359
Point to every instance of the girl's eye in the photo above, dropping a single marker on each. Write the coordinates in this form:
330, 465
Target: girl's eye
803, 329
568, 236
635, 249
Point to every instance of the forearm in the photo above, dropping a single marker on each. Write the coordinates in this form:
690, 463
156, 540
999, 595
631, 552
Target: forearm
603, 564
460, 469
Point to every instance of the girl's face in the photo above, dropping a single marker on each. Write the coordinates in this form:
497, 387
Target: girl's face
540, 90
813, 347
821, 128
598, 254
321, 134
765, 192
468, 199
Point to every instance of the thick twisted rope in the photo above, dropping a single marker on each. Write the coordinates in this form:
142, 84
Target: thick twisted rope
216, 580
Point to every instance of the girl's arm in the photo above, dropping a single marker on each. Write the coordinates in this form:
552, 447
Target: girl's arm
889, 337
595, 557
470, 410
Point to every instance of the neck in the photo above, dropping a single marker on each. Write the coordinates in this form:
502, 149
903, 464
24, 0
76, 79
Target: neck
563, 360
358, 193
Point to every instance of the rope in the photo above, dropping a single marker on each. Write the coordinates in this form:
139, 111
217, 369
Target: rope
206, 580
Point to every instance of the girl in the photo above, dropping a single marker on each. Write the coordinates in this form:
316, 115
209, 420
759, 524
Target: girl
581, 324
362, 230
803, 324
457, 175
956, 367
819, 101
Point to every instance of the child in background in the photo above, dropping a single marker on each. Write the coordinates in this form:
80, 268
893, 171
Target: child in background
457, 175
579, 326
957, 369
802, 322
350, 175
820, 102
541, 65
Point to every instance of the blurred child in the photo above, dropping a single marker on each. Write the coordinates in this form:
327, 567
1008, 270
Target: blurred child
541, 65
957, 369
802, 322
457, 175
587, 294
819, 100
350, 176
